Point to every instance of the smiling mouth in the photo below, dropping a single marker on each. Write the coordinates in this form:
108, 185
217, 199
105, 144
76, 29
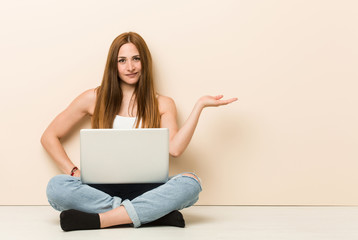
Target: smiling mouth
131, 75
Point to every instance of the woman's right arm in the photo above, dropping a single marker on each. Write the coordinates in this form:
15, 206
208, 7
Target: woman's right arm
62, 124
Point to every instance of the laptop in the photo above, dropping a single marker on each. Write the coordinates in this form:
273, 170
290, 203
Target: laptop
115, 156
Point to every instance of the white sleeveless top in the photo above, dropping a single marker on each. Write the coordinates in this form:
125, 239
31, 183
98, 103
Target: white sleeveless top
124, 122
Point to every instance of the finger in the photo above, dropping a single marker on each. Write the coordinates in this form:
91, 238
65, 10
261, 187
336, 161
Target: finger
217, 97
232, 100
227, 101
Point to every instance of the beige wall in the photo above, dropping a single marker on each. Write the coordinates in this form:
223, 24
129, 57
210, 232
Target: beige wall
292, 137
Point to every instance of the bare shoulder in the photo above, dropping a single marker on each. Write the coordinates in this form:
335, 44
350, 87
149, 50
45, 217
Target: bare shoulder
89, 95
166, 104
87, 100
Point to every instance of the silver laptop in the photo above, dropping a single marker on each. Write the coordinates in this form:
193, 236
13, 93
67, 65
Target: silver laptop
110, 156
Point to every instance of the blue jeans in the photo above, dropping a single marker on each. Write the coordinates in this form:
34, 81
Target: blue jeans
65, 192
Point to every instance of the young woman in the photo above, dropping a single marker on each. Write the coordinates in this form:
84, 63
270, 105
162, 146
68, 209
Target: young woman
126, 98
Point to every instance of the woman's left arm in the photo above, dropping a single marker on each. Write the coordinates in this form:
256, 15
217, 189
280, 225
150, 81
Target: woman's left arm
180, 138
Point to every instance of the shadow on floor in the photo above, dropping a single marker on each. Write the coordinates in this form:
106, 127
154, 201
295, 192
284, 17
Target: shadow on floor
194, 219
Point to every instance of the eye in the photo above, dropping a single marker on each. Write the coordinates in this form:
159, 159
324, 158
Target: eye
122, 60
136, 58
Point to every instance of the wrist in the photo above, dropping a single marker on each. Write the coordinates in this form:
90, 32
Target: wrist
199, 105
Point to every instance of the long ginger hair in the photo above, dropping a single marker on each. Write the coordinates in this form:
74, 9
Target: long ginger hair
110, 95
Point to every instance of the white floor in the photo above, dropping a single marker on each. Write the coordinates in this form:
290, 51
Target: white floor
202, 222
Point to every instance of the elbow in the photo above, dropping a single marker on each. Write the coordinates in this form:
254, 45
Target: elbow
175, 153
175, 150
46, 138
43, 139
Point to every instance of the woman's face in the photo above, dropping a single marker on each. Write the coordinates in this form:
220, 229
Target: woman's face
129, 64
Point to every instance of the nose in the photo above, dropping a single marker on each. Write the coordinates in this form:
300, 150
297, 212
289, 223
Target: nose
130, 66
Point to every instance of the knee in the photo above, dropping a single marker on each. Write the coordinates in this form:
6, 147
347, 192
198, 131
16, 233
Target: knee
191, 189
195, 182
56, 187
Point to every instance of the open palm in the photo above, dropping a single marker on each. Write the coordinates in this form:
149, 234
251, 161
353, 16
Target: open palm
215, 101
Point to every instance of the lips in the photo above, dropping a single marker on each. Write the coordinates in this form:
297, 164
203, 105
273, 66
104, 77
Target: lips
131, 75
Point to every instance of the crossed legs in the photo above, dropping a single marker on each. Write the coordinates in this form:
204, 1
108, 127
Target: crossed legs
156, 205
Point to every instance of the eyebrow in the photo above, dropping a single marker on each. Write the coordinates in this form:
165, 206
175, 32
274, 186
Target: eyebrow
132, 56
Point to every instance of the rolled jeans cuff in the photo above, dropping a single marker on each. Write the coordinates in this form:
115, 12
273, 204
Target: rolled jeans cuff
131, 213
117, 201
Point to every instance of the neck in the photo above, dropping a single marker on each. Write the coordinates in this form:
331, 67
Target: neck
128, 105
127, 89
